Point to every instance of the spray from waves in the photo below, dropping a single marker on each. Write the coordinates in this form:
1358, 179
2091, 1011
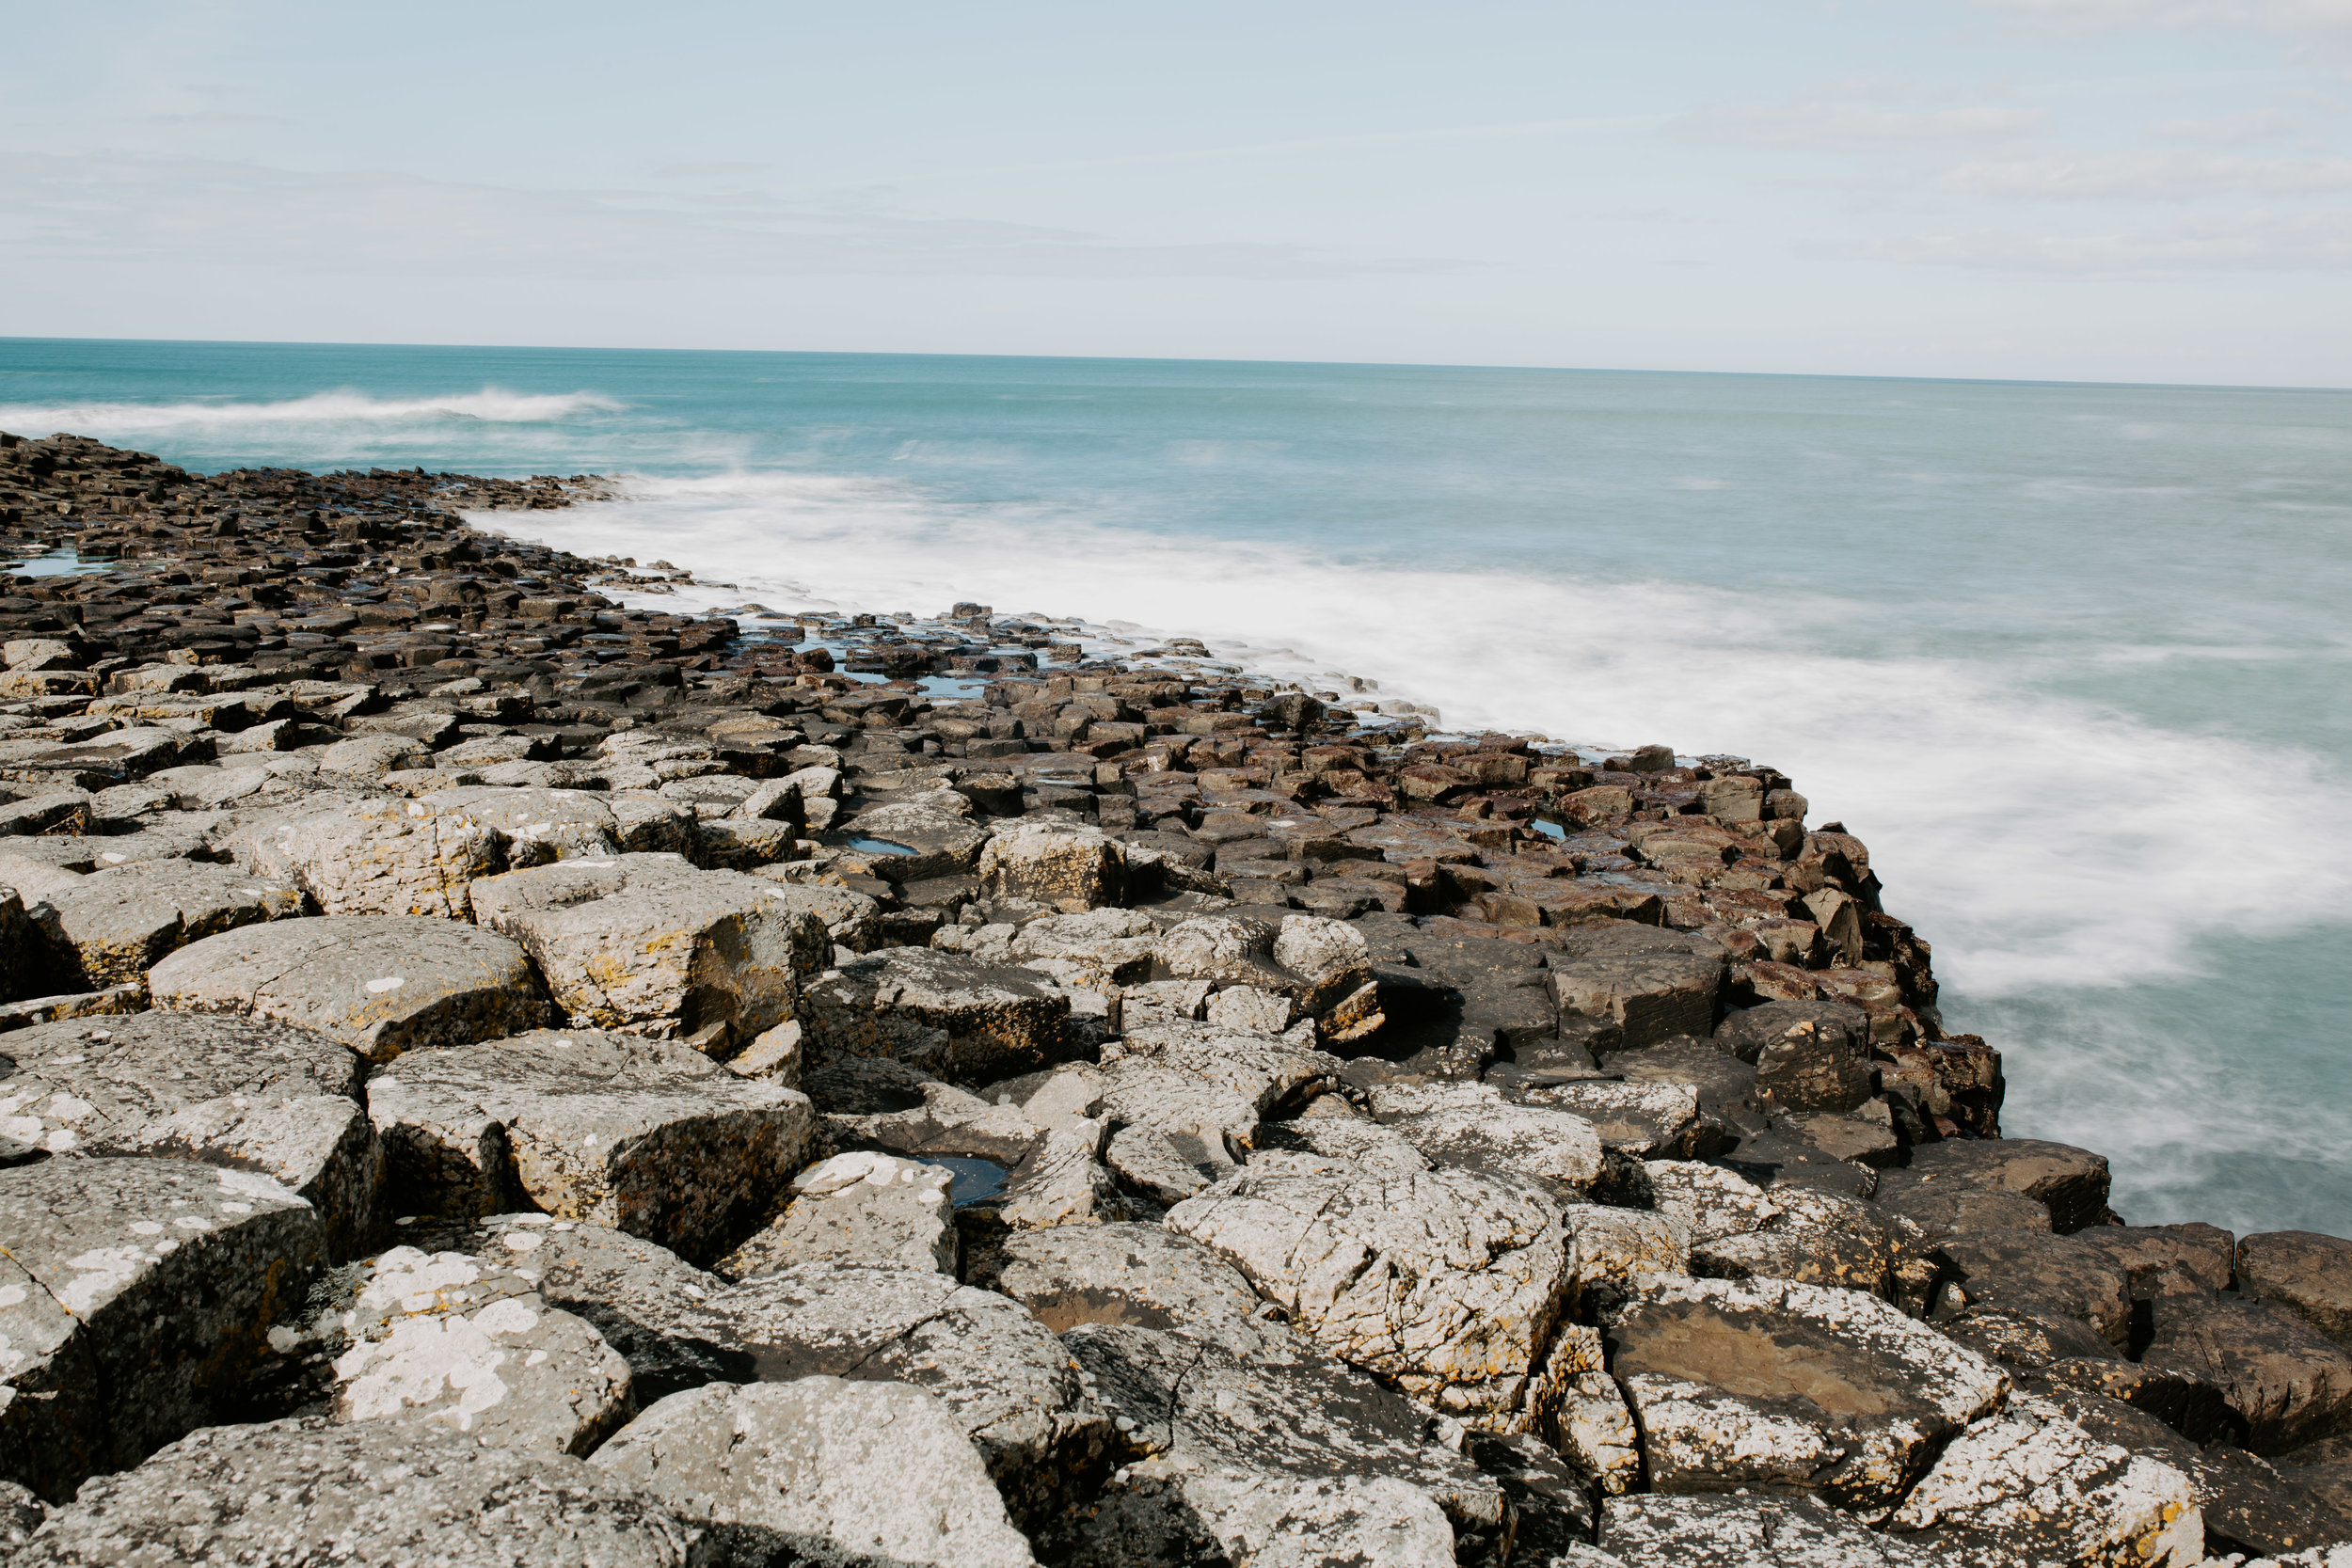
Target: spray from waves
342, 407
2039, 841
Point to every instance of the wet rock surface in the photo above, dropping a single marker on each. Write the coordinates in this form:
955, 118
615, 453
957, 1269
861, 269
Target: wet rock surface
1028, 1094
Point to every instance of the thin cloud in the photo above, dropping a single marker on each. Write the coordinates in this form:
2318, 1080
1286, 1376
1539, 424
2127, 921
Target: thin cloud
2147, 177
371, 222
2320, 21
2229, 130
1861, 118
2317, 242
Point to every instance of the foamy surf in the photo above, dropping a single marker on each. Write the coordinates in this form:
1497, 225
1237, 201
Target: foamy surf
2045, 845
120, 421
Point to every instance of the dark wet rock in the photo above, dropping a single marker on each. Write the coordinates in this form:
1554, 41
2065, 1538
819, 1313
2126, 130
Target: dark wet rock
968, 1020
2308, 1273
2072, 1184
2289, 1383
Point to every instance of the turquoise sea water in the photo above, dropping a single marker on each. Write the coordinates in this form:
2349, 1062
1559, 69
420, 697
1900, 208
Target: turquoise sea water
2072, 660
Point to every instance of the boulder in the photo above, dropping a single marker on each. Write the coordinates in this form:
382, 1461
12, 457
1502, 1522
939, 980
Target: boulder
650, 1304
458, 1340
1141, 1276
1067, 867
2288, 1381
1447, 1282
104, 929
1770, 1384
374, 1494
381, 855
857, 1208
1652, 984
2027, 1485
2072, 1184
1207, 1091
1009, 1383
1100, 950
648, 943
1741, 1532
2308, 1273
1230, 1459
644, 1136
819, 1471
381, 984
1646, 1120
1738, 1231
1472, 1127
135, 1298
997, 1022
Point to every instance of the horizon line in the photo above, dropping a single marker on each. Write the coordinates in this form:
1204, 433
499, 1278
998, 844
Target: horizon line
1178, 359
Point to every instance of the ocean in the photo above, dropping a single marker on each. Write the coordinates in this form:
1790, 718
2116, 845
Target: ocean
2072, 660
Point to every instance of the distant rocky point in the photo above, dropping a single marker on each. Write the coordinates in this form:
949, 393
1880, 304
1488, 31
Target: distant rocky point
491, 1073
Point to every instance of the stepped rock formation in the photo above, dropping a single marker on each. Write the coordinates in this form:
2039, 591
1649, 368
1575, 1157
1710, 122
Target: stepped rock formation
493, 1072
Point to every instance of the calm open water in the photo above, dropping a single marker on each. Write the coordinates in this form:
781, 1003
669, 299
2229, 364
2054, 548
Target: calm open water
2072, 660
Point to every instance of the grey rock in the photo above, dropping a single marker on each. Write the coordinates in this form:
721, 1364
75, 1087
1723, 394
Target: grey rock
1141, 1276
375, 1495
321, 1147
460, 1339
1767, 1382
106, 927
1447, 1282
1745, 1532
819, 1471
644, 1136
649, 944
997, 1022
1652, 1121
372, 855
1008, 1382
1069, 867
136, 1296
852, 919
1296, 1461
1740, 1231
2027, 1485
1061, 1180
1472, 1127
856, 1208
650, 1304
381, 984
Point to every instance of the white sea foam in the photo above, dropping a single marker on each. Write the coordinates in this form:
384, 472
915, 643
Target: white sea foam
116, 421
2039, 841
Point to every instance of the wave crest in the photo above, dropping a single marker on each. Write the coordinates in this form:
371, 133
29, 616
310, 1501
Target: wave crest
343, 406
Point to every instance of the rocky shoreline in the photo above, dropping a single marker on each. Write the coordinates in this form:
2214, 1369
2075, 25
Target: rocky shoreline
494, 1072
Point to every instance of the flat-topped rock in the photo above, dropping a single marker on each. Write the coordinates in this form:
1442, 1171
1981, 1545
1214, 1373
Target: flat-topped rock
1302, 1459
862, 1206
375, 1495
644, 1136
996, 1021
820, 1470
649, 1303
135, 1297
106, 927
1008, 1380
381, 984
1449, 1282
1773, 1385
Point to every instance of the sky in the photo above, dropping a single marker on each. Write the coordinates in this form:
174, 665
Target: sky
2125, 190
